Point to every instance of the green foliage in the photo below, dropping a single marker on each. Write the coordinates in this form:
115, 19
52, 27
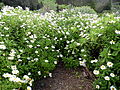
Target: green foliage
116, 8
63, 6
85, 9
48, 5
31, 45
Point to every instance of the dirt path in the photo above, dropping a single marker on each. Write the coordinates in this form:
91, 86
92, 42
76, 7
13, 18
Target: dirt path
65, 79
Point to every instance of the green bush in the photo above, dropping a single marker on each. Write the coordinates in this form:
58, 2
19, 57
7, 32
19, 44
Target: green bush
31, 45
48, 5
85, 9
23, 44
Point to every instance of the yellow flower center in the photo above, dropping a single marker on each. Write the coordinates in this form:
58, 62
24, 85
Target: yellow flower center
113, 89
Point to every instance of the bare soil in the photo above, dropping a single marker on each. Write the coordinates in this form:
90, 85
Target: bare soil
65, 79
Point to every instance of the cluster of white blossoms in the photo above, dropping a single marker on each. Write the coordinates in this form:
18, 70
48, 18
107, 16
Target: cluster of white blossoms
117, 31
2, 46
13, 77
14, 70
12, 54
39, 72
109, 64
112, 42
8, 11
32, 38
111, 87
83, 63
107, 78
94, 61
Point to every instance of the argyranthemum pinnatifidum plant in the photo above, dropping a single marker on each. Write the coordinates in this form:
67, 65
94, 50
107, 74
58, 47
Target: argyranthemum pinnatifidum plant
27, 48
31, 45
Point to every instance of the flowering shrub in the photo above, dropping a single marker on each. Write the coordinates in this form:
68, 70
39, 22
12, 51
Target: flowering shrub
26, 47
31, 45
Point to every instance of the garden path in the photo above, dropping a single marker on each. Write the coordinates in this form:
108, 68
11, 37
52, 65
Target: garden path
65, 79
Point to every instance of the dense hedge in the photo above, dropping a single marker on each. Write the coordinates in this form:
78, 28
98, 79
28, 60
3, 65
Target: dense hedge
31, 45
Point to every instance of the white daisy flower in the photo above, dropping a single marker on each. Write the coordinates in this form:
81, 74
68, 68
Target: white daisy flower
103, 67
12, 78
112, 74
36, 51
28, 33
32, 41
78, 44
60, 38
13, 67
46, 61
18, 56
109, 64
50, 74
46, 47
53, 46
12, 54
29, 88
2, 47
82, 63
6, 28
113, 88
10, 58
15, 72
107, 78
1, 42
6, 75
117, 32
82, 50
80, 58
55, 62
26, 77
39, 72
97, 86
17, 79
96, 72
61, 55
31, 81
68, 41
21, 50
67, 33
30, 46
38, 45
29, 73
